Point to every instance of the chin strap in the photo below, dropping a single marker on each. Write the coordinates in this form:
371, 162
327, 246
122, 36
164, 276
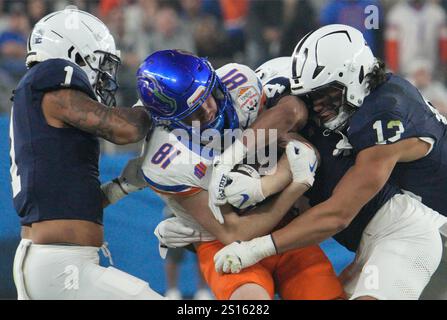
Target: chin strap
343, 147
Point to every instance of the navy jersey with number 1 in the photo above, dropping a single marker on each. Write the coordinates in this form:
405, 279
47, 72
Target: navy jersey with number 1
396, 111
54, 171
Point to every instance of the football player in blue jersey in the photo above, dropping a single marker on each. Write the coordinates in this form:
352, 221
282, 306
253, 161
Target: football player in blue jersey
61, 106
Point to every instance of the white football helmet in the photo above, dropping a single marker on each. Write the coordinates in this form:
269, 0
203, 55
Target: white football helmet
275, 77
334, 55
274, 68
83, 39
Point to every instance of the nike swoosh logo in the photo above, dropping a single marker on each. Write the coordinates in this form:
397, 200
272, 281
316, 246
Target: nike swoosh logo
245, 198
312, 167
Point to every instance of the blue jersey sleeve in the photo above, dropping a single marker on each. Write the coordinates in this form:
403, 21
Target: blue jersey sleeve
55, 74
275, 89
379, 128
394, 112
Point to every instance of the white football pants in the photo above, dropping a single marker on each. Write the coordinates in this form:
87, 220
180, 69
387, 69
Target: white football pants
399, 252
72, 272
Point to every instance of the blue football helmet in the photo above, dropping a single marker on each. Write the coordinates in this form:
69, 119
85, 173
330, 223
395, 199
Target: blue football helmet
173, 84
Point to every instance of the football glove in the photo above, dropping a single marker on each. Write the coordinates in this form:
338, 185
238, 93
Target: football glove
222, 165
243, 191
130, 180
239, 255
303, 162
175, 232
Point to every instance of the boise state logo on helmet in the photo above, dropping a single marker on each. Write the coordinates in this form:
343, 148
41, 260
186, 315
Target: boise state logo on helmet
149, 87
173, 85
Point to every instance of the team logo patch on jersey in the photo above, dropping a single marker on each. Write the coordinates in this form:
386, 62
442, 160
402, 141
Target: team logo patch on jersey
248, 98
200, 170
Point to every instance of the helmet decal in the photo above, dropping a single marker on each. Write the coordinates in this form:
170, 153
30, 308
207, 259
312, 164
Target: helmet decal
173, 85
195, 97
153, 88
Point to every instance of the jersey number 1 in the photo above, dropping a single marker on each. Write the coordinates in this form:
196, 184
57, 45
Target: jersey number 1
68, 75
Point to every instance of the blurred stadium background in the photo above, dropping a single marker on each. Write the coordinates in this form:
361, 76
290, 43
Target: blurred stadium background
410, 35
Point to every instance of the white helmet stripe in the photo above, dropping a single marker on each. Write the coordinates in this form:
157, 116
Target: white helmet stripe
296, 53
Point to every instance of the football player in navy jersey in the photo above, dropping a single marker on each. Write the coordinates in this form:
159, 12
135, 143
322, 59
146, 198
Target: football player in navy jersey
396, 237
61, 106
390, 128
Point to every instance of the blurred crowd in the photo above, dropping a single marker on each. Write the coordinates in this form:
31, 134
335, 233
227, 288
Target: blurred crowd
410, 35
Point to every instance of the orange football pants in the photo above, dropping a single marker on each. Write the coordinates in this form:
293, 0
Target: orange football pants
300, 274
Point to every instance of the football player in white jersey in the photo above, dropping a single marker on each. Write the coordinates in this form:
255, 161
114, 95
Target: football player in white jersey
189, 102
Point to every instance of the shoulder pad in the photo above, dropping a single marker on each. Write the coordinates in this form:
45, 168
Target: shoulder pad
55, 74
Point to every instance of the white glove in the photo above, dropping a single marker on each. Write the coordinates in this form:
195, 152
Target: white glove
175, 233
222, 165
130, 180
303, 162
243, 191
216, 188
239, 255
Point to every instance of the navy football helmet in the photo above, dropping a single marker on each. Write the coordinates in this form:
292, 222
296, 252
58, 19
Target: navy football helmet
173, 84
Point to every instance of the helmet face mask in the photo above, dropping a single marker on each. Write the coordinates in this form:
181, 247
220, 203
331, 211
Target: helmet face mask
329, 106
106, 83
330, 56
219, 98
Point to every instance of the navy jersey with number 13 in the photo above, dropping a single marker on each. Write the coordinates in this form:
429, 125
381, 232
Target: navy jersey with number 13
54, 171
396, 111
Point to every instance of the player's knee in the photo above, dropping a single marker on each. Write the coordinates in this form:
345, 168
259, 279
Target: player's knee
366, 298
250, 291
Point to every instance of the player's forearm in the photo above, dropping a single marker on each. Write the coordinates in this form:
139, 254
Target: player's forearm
138, 122
261, 220
278, 181
120, 125
311, 228
117, 125
290, 114
357, 187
